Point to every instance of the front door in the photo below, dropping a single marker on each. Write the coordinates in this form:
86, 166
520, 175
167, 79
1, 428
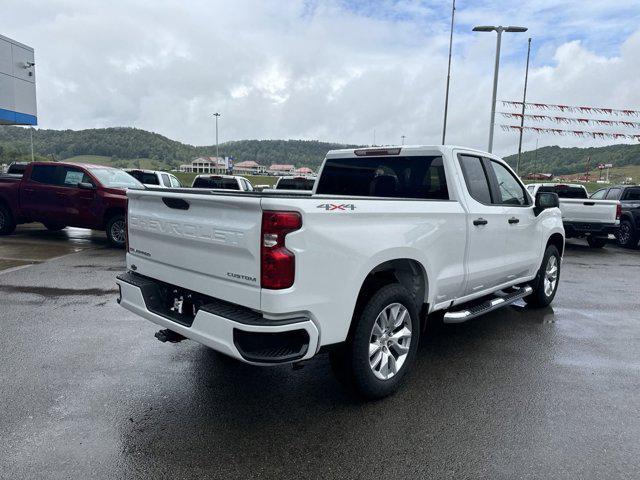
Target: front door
522, 244
486, 227
77, 204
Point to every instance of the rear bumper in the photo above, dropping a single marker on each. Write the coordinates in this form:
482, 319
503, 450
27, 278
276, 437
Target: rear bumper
579, 229
245, 336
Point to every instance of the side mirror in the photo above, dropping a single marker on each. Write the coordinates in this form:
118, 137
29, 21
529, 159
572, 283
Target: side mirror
86, 186
546, 200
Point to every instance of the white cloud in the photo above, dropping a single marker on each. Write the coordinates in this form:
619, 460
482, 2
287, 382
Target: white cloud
322, 69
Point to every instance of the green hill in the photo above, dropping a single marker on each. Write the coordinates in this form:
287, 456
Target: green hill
124, 147
561, 161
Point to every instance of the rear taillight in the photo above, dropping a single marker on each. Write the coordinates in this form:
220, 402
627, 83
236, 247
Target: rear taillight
277, 263
618, 211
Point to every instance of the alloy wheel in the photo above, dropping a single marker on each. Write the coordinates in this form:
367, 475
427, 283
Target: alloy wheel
389, 341
117, 231
551, 276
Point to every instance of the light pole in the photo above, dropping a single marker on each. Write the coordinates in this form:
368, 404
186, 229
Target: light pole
216, 115
524, 103
499, 29
402, 137
446, 94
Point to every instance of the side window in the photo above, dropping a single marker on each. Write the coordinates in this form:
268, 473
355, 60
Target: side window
510, 190
175, 183
44, 174
632, 194
475, 178
613, 194
531, 189
71, 177
165, 180
599, 195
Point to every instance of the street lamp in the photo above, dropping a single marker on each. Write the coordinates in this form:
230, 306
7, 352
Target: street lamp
498, 30
216, 115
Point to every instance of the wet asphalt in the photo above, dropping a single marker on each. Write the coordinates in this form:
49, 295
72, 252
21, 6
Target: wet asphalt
87, 392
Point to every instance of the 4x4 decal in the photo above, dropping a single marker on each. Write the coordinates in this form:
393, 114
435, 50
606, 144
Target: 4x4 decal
341, 206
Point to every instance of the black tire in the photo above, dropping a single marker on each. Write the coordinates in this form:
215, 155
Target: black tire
540, 297
596, 242
353, 362
7, 223
627, 235
116, 230
52, 227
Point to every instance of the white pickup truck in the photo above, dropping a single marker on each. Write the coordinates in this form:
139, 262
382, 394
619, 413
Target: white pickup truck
582, 216
387, 237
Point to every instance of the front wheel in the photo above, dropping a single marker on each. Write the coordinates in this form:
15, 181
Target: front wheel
627, 236
596, 242
384, 343
545, 285
116, 231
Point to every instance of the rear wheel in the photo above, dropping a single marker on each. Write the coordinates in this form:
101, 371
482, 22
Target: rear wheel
627, 236
596, 242
53, 227
116, 230
384, 343
545, 285
7, 223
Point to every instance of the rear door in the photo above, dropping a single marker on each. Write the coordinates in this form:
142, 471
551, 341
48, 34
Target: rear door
486, 227
521, 241
206, 242
38, 193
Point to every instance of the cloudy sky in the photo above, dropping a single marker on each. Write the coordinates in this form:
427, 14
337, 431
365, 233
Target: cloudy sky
333, 70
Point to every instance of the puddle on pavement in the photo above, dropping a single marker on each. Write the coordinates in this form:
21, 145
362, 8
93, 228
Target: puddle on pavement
57, 292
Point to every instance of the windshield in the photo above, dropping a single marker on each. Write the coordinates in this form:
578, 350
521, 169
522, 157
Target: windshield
114, 178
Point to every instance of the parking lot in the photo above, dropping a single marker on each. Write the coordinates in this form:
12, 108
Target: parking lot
88, 392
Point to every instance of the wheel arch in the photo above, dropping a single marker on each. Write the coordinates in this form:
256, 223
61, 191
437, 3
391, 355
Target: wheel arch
408, 272
557, 240
110, 212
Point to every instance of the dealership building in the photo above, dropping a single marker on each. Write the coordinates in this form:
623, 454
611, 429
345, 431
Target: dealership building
17, 84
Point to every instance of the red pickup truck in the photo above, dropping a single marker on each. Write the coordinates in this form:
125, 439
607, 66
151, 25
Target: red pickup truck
67, 194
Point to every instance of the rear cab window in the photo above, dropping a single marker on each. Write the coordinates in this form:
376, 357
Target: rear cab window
565, 191
409, 177
632, 194
613, 194
216, 182
296, 184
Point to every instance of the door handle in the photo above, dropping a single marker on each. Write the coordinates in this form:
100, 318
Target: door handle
28, 190
480, 221
514, 220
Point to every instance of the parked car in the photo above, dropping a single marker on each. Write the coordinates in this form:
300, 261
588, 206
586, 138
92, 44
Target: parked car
629, 197
388, 236
295, 183
222, 182
583, 217
67, 194
154, 179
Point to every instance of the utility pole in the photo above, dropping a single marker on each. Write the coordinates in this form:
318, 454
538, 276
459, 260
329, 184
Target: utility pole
524, 102
31, 131
535, 161
402, 137
374, 137
216, 115
586, 175
446, 95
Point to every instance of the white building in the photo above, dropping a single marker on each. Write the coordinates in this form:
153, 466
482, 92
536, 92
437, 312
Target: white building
17, 84
249, 167
217, 165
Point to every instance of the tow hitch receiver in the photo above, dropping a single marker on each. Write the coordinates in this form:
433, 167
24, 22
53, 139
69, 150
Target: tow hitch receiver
170, 336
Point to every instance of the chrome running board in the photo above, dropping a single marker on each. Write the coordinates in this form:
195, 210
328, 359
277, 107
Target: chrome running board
459, 316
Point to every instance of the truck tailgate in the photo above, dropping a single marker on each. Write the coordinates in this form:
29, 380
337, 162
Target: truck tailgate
204, 242
585, 210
